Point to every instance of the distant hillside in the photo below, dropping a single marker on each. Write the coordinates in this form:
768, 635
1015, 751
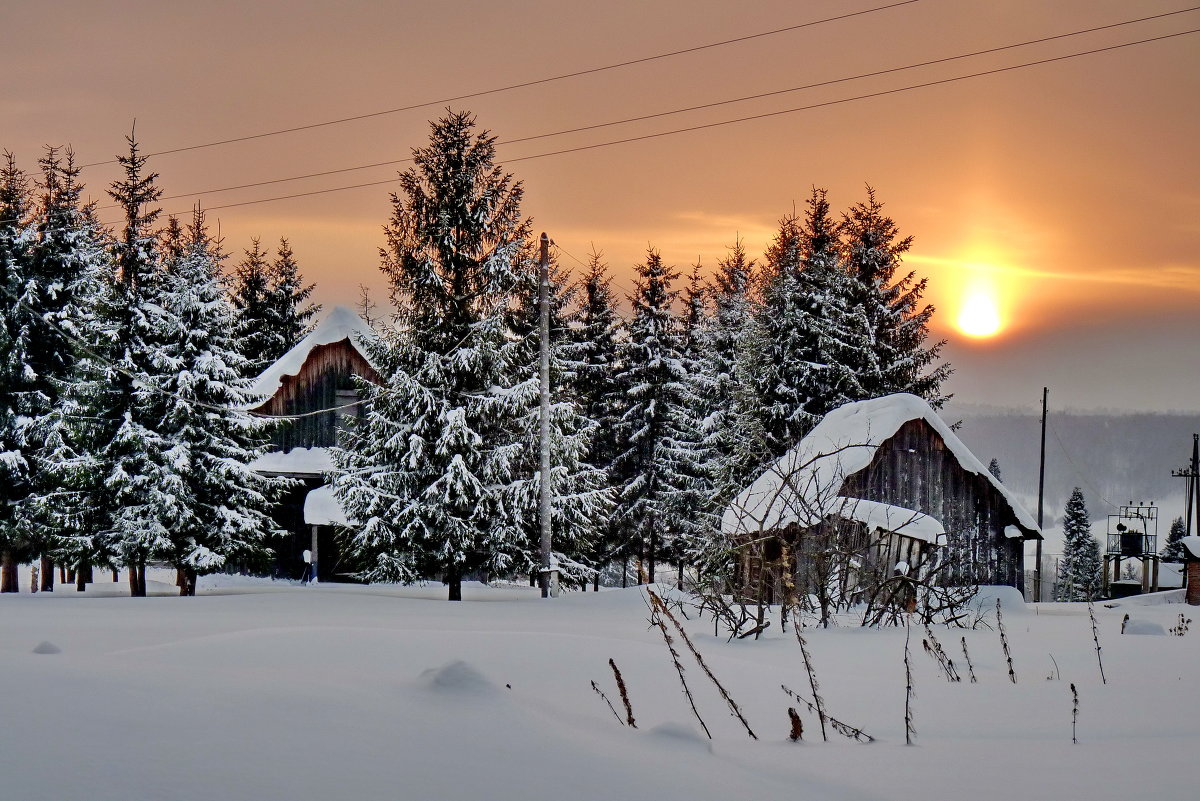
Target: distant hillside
1118, 457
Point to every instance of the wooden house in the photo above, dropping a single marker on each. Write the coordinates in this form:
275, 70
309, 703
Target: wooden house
1191, 561
893, 480
312, 388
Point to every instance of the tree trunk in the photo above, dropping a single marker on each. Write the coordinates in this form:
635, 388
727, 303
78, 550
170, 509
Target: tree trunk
47, 574
596, 581
142, 578
81, 576
137, 578
116, 578
454, 580
651, 557
62, 574
86, 569
8, 573
180, 580
132, 580
624, 571
70, 576
186, 579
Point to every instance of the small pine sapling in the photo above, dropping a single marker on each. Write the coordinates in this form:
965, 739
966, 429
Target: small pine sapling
1012, 674
624, 694
1096, 639
1074, 713
970, 667
612, 708
797, 732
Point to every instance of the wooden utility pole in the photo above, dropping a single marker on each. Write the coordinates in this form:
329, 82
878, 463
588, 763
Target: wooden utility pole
1191, 495
549, 575
1037, 572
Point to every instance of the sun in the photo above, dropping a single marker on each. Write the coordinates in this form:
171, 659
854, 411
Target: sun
980, 314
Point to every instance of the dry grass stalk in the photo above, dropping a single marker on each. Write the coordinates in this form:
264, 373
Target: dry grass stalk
660, 606
1096, 639
797, 732
624, 694
844, 729
938, 654
656, 619
1181, 628
1012, 674
909, 693
1074, 713
970, 667
613, 709
818, 702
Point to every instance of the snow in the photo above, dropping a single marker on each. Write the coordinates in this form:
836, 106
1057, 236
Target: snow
314, 461
341, 323
1191, 545
321, 508
268, 691
889, 518
1144, 627
842, 444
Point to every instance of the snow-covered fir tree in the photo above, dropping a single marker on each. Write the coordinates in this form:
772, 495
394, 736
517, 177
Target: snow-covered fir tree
206, 508
994, 468
655, 381
259, 340
66, 261
290, 312
722, 339
1172, 550
1079, 576
595, 341
426, 470
581, 500
805, 359
888, 349
14, 469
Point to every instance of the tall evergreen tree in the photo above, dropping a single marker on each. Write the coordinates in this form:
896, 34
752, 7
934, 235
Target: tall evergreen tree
290, 311
14, 468
1079, 571
1172, 550
259, 338
654, 377
206, 507
994, 468
596, 338
427, 469
888, 348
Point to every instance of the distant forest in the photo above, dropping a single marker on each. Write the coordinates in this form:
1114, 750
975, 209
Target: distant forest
1119, 457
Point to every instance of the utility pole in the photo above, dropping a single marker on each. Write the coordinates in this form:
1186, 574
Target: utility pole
549, 574
1037, 573
1191, 495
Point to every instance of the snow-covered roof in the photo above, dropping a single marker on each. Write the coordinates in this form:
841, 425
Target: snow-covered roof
341, 323
321, 508
889, 518
311, 461
1191, 545
843, 443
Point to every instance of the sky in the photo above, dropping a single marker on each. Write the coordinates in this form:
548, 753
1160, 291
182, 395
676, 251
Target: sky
1066, 194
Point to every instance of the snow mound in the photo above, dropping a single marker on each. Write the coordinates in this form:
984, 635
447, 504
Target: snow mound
457, 678
1144, 627
45, 647
1010, 598
682, 735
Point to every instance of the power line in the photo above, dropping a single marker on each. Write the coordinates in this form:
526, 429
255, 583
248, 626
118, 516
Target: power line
753, 117
1078, 473
703, 106
524, 84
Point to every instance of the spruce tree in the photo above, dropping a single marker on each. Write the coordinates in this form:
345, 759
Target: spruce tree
994, 468
654, 378
14, 469
207, 508
258, 336
595, 336
1079, 571
581, 498
424, 471
290, 312
1172, 550
888, 350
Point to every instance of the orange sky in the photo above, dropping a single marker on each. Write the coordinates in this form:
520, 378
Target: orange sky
1072, 190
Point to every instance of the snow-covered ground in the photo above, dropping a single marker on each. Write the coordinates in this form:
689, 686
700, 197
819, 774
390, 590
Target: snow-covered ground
275, 691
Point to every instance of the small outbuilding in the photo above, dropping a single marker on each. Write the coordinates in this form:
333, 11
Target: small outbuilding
312, 388
899, 492
1191, 562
